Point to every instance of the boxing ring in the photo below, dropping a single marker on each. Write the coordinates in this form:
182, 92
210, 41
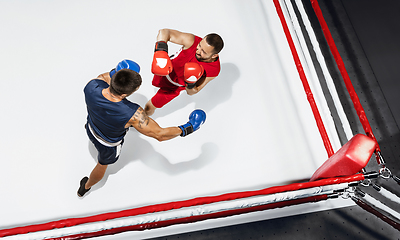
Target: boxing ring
266, 100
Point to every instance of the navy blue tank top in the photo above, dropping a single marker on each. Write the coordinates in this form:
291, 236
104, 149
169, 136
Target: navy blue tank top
107, 119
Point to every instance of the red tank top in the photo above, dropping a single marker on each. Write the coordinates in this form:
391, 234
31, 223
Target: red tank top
179, 59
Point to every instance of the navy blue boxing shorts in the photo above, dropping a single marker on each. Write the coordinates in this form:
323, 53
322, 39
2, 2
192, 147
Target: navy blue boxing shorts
106, 154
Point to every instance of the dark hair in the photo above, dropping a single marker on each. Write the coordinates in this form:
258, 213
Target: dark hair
216, 41
125, 81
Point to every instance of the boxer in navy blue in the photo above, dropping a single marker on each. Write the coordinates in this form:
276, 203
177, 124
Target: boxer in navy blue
110, 115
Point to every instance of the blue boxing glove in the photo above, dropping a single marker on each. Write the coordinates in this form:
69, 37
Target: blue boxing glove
126, 64
196, 119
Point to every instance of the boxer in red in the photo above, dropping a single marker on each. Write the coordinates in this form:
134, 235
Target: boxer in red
190, 69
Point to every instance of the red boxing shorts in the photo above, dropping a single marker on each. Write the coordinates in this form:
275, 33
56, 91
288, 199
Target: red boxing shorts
164, 96
166, 93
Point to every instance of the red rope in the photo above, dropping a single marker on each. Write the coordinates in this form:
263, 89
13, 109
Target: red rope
175, 205
303, 78
339, 61
194, 218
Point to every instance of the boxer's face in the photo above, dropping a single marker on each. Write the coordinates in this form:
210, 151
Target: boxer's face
205, 52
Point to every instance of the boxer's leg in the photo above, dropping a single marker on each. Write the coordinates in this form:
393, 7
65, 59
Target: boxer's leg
106, 155
96, 175
162, 97
149, 108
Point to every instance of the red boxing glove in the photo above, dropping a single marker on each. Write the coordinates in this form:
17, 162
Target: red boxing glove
161, 64
192, 72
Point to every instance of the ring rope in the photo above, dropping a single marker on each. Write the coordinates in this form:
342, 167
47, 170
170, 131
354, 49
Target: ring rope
198, 218
374, 211
380, 205
350, 88
387, 194
303, 78
311, 73
177, 205
183, 212
328, 78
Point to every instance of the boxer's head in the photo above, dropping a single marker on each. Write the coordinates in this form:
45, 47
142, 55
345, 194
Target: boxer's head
125, 82
209, 48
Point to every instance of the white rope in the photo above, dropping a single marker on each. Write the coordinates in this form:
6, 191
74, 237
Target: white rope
389, 195
181, 213
380, 205
328, 77
312, 77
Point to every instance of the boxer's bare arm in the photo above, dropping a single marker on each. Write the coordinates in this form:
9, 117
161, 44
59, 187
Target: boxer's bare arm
105, 77
147, 126
177, 37
200, 84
